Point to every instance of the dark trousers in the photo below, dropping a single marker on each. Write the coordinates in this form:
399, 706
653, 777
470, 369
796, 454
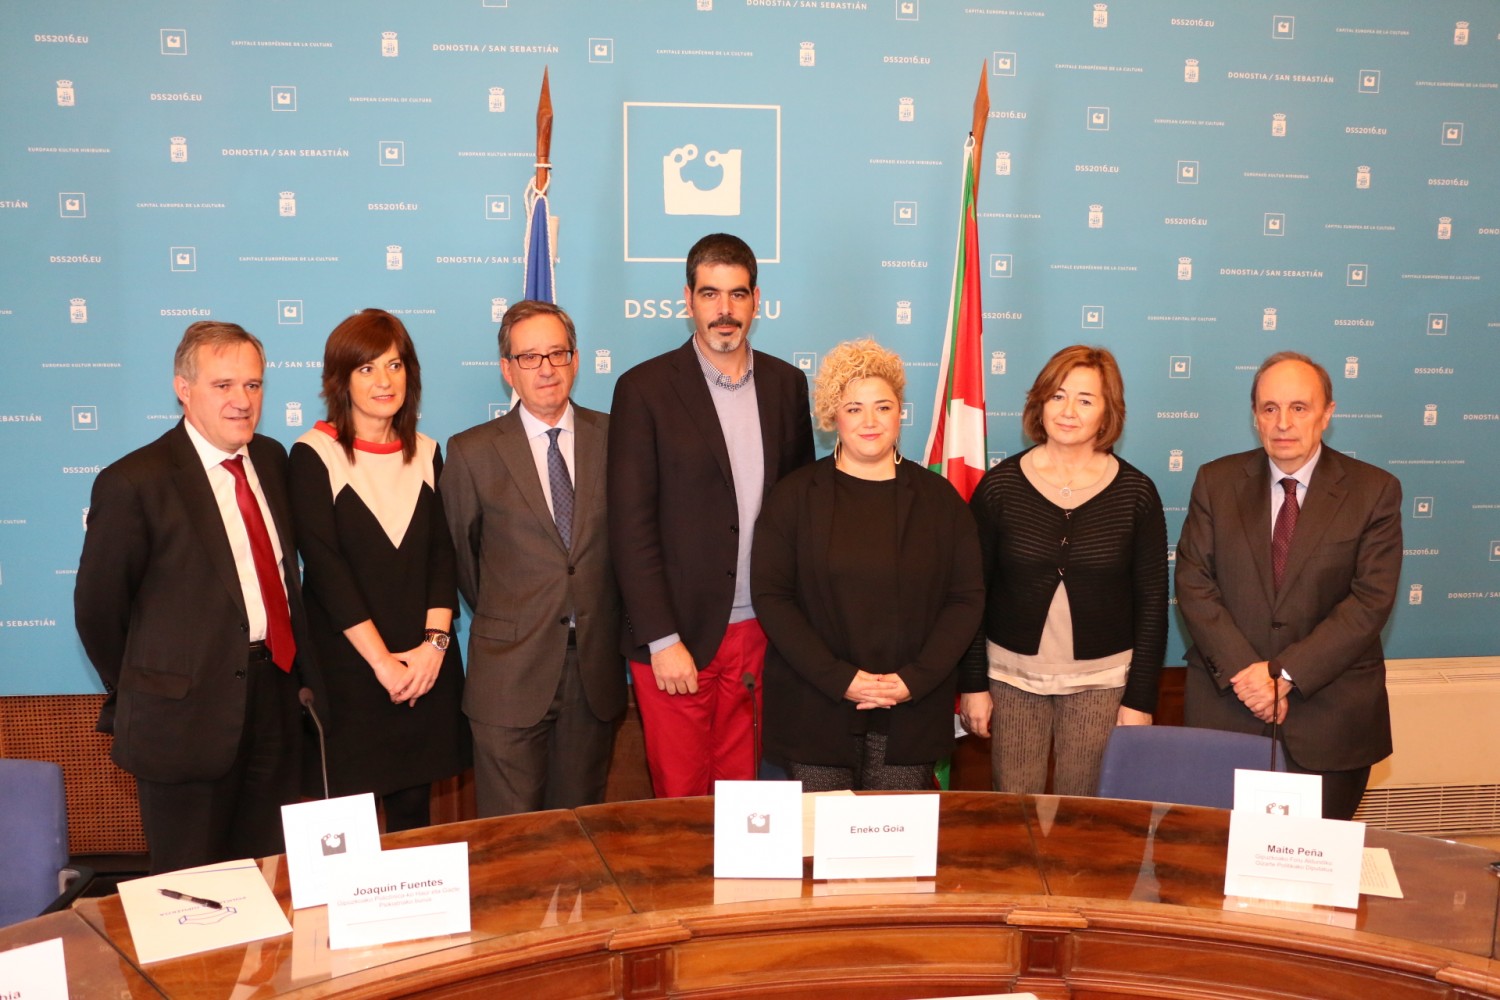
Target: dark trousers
195, 823
560, 763
1342, 790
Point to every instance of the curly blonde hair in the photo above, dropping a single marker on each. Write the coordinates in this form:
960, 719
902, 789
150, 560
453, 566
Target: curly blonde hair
851, 360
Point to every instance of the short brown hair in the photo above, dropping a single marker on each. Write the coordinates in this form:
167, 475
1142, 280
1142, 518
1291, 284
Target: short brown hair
1052, 375
526, 309
720, 248
359, 340
848, 362
214, 335
1281, 356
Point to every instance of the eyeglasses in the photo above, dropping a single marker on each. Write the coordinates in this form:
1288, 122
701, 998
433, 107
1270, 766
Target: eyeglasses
558, 359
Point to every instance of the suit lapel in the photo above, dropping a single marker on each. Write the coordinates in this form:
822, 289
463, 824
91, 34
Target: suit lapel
1255, 518
692, 389
1325, 497
770, 428
514, 451
191, 480
588, 470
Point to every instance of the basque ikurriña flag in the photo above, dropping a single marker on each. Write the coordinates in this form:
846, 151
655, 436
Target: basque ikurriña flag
956, 446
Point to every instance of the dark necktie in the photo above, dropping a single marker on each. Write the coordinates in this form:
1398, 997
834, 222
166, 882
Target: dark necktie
1286, 523
562, 489
278, 615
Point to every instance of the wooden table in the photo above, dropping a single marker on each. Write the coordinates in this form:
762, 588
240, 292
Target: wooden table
1085, 898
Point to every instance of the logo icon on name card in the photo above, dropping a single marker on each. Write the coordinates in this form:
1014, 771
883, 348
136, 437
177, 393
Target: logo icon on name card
333, 843
1437, 324
805, 361
1421, 507
283, 98
78, 311
392, 153
905, 213
72, 205
85, 418
288, 312
601, 50
1001, 265
1097, 119
1358, 276
686, 161
758, 822
1453, 133
390, 45
1274, 224
1187, 171
1093, 317
497, 207
1004, 63
66, 96
1369, 81
173, 41
1283, 26
183, 258
1180, 366
908, 10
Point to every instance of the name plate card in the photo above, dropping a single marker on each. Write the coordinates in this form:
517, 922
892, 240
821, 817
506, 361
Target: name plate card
757, 830
876, 836
34, 972
1294, 860
323, 829
400, 895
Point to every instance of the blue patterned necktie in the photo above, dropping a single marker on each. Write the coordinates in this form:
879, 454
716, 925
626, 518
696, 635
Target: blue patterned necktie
562, 488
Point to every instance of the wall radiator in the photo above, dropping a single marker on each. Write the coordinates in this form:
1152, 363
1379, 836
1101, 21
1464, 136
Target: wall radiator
1444, 777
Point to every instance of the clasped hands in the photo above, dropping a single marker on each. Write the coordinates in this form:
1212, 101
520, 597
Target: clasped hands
869, 690
1266, 698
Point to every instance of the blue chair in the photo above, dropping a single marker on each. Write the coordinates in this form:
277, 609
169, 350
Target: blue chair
34, 873
1192, 767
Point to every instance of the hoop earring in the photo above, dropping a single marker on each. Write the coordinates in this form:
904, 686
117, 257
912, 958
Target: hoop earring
837, 444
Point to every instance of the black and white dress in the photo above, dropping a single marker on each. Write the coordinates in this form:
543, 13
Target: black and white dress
375, 546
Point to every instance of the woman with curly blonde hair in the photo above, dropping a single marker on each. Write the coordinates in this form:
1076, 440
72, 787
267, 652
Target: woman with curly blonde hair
866, 577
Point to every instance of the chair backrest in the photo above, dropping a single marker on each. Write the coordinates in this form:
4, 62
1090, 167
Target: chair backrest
1176, 764
33, 837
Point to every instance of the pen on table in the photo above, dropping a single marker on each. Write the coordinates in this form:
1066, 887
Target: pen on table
174, 894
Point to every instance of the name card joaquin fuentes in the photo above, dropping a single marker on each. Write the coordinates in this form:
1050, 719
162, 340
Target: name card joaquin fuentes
400, 895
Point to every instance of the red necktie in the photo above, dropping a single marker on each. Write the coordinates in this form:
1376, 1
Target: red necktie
1281, 536
278, 615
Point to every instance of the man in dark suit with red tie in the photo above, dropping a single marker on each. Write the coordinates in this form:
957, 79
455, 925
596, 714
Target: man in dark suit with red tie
697, 438
188, 605
1286, 573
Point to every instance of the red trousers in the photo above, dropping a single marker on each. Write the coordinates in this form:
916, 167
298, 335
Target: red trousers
693, 740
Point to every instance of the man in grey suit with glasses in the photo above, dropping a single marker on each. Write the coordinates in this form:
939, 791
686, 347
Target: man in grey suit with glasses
524, 497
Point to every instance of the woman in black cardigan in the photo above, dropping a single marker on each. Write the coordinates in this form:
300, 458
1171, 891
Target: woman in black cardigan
866, 577
1074, 546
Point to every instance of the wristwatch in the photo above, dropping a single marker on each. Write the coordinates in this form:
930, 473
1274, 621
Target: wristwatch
438, 638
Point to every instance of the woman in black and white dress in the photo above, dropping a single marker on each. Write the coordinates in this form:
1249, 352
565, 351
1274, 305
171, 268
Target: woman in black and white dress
379, 577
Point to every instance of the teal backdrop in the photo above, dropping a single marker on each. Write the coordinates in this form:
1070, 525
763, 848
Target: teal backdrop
1192, 184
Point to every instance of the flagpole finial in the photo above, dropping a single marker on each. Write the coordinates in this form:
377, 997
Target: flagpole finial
544, 135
